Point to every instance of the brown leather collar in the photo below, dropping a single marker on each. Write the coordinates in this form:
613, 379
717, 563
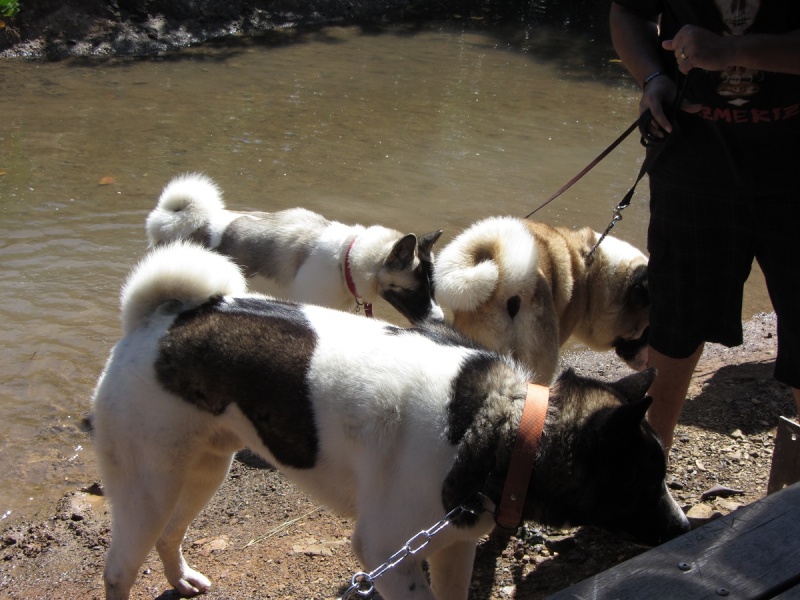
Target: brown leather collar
509, 512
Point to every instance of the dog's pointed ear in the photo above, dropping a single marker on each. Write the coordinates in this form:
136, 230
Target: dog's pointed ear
425, 244
634, 387
626, 419
402, 254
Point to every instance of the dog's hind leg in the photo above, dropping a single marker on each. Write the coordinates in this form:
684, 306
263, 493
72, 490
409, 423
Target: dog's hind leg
141, 506
451, 570
201, 482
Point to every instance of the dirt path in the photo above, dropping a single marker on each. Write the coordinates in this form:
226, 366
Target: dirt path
260, 538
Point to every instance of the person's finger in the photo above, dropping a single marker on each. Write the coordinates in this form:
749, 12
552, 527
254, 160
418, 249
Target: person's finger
660, 122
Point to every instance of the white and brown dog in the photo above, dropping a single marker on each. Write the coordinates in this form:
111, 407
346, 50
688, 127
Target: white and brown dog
525, 288
393, 427
300, 255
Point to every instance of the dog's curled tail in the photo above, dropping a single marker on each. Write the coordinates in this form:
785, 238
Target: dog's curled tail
186, 204
180, 273
490, 253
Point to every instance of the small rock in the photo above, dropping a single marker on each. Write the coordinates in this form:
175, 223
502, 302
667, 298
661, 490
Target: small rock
720, 491
700, 514
508, 590
728, 505
700, 511
560, 544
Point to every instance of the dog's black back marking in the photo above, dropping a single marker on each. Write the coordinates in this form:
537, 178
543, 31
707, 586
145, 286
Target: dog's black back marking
258, 254
439, 332
255, 352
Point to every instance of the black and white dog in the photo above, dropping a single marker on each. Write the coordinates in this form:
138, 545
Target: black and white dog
394, 427
299, 255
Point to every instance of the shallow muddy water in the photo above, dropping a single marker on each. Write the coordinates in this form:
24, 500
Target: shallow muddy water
419, 130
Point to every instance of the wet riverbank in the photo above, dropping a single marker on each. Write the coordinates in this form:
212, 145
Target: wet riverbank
56, 29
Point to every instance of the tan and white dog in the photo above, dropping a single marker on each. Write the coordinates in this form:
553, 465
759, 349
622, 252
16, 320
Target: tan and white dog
300, 255
394, 427
525, 288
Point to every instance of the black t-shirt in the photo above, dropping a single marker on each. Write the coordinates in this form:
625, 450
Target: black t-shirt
747, 137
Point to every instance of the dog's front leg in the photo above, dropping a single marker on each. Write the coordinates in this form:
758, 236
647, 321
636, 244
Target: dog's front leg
404, 581
451, 570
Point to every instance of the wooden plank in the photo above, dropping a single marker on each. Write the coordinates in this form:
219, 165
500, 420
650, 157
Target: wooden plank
791, 594
785, 469
751, 553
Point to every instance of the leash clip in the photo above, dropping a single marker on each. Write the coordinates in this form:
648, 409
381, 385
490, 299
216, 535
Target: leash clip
617, 216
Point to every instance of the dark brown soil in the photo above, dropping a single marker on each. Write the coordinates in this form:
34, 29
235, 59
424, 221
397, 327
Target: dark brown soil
260, 538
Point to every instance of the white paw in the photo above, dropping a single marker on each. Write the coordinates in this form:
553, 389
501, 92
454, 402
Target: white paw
192, 583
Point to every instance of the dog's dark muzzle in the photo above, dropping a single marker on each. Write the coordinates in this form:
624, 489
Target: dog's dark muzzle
629, 350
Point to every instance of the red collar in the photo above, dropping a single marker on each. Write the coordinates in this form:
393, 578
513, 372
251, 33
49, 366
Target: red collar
351, 285
509, 512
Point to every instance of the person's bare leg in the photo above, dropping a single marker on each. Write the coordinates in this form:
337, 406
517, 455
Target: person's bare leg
669, 391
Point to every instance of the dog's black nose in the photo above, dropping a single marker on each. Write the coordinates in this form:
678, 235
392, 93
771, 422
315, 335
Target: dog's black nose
628, 349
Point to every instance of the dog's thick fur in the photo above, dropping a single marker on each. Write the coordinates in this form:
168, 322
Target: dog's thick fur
391, 426
300, 255
525, 288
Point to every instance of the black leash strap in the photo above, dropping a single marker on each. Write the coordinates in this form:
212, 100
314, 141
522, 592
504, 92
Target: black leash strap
653, 150
654, 146
633, 126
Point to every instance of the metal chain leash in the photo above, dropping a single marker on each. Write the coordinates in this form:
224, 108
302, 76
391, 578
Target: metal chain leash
362, 584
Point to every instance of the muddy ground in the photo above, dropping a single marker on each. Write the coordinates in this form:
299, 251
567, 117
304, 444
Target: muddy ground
261, 538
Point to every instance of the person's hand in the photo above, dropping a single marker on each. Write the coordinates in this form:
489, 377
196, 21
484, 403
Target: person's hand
698, 48
658, 96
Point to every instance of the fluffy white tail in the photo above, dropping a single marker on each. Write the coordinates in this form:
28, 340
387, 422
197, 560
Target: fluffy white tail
180, 272
468, 270
185, 205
